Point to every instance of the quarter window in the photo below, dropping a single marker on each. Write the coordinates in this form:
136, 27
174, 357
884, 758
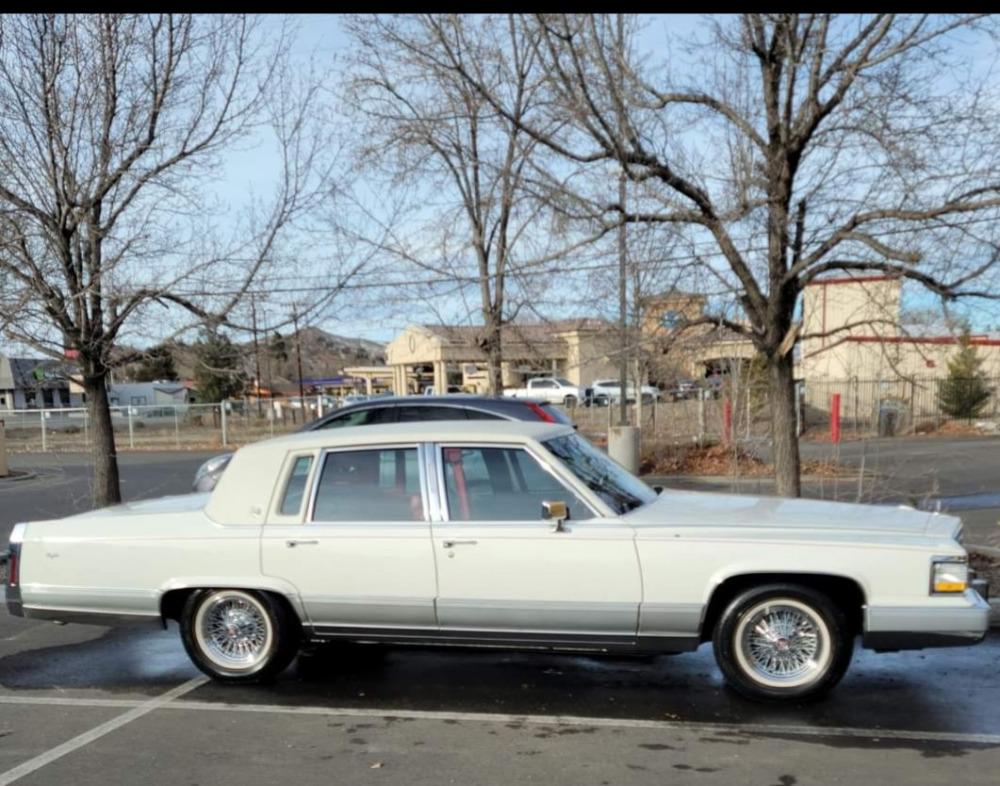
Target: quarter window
369, 485
295, 488
502, 484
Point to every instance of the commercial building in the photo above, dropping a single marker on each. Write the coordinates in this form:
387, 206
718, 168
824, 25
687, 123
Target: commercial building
579, 350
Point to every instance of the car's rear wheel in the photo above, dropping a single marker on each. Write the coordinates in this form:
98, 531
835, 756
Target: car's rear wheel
783, 641
238, 635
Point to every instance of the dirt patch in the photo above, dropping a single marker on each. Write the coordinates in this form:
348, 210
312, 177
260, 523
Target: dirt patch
721, 460
953, 428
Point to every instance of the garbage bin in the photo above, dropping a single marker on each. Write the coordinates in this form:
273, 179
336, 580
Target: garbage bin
890, 418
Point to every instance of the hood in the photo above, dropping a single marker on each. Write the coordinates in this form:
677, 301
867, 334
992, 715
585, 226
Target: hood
708, 509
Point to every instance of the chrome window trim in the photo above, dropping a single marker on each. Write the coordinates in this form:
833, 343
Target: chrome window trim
311, 518
438, 448
429, 479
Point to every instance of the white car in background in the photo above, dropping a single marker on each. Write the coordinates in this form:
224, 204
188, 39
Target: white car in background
555, 390
609, 391
509, 534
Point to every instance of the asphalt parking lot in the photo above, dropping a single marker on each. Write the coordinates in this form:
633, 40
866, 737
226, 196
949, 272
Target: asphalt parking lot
82, 704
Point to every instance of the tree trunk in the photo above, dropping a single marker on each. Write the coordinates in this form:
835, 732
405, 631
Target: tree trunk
106, 488
781, 372
494, 357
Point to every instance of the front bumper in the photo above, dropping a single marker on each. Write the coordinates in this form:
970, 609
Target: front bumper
918, 627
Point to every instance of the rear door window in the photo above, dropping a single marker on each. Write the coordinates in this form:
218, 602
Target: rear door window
369, 485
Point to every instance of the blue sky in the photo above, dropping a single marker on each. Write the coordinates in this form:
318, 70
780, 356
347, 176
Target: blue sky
323, 37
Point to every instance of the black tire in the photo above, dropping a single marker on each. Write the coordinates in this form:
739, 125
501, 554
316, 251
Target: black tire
279, 638
832, 643
569, 402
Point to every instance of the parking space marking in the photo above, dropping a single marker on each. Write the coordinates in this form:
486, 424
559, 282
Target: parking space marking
141, 708
746, 729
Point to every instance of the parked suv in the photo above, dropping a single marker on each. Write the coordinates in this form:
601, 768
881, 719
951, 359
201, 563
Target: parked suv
406, 409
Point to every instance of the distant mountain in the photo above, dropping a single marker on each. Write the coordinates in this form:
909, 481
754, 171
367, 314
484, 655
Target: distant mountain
323, 355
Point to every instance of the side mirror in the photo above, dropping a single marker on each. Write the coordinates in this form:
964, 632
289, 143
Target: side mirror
556, 512
658, 489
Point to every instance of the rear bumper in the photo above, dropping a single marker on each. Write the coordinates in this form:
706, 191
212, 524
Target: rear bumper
920, 627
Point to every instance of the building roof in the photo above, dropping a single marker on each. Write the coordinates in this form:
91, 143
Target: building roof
34, 373
528, 333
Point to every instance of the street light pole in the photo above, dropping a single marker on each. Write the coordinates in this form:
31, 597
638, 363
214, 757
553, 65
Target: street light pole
298, 351
622, 278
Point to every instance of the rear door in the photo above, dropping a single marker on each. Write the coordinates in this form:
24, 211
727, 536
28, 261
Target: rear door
350, 531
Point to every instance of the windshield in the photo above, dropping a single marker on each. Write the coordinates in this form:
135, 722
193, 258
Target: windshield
564, 381
621, 490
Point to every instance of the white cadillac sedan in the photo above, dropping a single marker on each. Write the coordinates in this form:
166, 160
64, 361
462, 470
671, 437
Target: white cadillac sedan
506, 534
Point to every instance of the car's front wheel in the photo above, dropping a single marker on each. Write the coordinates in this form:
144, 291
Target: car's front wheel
783, 641
569, 402
236, 635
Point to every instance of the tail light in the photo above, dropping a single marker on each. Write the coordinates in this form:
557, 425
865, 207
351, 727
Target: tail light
14, 555
13, 566
542, 414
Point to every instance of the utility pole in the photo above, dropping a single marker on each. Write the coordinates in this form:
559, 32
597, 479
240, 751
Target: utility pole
256, 350
622, 278
298, 352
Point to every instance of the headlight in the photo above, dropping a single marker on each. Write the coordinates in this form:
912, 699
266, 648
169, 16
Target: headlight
949, 574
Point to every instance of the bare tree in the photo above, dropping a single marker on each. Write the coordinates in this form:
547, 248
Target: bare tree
110, 125
792, 145
426, 121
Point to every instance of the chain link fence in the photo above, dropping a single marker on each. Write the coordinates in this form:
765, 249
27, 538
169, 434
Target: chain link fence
161, 427
736, 412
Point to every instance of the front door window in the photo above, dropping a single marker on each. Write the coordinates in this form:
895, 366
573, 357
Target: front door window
502, 484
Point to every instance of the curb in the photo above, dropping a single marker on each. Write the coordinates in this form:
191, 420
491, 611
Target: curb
18, 476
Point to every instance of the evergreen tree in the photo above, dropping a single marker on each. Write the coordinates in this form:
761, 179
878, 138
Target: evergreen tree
218, 371
156, 365
964, 393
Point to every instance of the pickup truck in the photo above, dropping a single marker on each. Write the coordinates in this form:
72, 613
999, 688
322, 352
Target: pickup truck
608, 391
555, 390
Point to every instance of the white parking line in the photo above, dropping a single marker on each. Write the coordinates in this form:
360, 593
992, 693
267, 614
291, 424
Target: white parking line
139, 709
745, 729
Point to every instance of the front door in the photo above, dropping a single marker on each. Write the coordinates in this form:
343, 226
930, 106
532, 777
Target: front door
358, 547
504, 572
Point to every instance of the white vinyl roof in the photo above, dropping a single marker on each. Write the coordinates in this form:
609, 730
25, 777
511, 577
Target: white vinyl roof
425, 431
243, 494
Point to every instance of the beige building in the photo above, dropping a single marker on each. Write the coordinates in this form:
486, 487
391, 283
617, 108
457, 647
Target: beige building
850, 330
580, 350
852, 345
693, 352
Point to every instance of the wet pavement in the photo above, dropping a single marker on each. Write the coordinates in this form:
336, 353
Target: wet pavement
460, 716
82, 705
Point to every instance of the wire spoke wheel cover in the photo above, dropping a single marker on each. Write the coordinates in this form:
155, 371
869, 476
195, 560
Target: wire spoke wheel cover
783, 643
234, 631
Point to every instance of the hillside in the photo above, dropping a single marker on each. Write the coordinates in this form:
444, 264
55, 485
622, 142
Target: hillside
323, 355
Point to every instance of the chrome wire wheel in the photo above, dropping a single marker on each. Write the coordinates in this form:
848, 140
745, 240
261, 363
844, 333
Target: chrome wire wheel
783, 643
234, 631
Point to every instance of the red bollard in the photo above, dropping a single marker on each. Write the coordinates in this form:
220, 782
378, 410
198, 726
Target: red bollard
835, 418
727, 422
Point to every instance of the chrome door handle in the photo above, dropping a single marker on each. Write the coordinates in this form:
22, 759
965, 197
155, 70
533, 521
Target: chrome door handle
293, 543
449, 543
